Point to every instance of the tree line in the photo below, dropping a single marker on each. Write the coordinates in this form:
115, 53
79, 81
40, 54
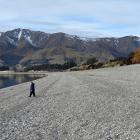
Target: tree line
52, 67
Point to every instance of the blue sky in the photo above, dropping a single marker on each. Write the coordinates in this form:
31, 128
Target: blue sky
92, 18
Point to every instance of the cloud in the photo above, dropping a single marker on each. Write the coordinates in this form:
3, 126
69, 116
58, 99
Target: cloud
82, 17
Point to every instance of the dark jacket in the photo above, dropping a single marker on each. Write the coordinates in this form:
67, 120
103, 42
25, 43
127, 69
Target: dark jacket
32, 87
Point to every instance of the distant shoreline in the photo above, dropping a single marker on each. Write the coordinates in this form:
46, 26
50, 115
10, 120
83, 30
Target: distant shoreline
24, 73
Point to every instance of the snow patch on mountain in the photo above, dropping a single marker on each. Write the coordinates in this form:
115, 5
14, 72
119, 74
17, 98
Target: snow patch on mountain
81, 38
108, 40
28, 38
89, 39
137, 39
116, 41
11, 41
70, 36
19, 35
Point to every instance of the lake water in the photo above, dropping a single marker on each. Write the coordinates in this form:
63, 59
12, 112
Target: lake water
10, 80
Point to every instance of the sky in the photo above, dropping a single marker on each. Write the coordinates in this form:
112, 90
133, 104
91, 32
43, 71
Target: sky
87, 18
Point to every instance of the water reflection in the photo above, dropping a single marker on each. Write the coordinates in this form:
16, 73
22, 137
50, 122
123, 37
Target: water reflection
13, 79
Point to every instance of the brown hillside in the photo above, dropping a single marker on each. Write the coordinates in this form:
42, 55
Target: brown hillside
135, 58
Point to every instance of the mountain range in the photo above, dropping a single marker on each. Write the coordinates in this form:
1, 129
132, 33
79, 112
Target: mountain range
26, 47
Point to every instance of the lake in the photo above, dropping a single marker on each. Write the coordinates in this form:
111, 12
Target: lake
14, 79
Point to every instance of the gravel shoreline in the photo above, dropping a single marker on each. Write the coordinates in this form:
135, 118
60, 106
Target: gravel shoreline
101, 104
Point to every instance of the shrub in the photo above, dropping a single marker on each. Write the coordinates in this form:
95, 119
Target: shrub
91, 61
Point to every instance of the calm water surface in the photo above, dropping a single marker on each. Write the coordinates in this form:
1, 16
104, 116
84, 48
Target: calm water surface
10, 80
